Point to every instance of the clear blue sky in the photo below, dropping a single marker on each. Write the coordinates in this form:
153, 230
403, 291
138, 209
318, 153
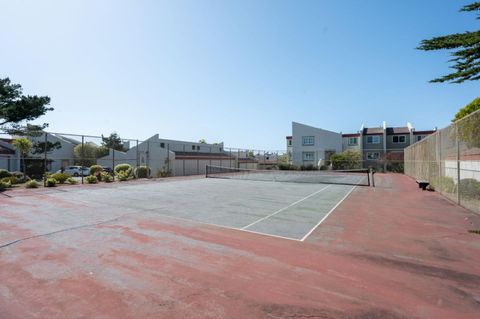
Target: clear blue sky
233, 71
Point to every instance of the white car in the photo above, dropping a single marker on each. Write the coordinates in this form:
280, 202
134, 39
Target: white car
76, 170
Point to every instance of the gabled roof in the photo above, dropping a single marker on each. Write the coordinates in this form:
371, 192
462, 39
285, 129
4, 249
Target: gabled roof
351, 135
423, 132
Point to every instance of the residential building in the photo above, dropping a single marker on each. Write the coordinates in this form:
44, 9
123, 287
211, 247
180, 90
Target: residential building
380, 147
9, 157
312, 146
178, 157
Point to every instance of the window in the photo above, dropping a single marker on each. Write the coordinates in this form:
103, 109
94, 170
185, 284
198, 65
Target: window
193, 147
308, 156
162, 145
198, 147
220, 149
289, 143
352, 141
308, 140
420, 137
373, 155
373, 139
399, 139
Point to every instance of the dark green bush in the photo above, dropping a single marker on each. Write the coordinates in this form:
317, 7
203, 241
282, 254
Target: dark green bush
4, 173
346, 160
4, 185
444, 184
469, 188
51, 182
309, 167
91, 179
60, 177
122, 168
142, 172
286, 167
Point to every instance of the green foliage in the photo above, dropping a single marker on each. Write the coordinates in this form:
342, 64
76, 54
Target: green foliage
444, 184
142, 172
16, 107
11, 179
60, 177
469, 188
86, 154
91, 179
466, 57
346, 160
23, 145
287, 167
309, 167
51, 182
123, 171
72, 181
107, 178
4, 185
122, 176
96, 170
32, 184
164, 173
467, 109
468, 130
202, 141
113, 142
4, 173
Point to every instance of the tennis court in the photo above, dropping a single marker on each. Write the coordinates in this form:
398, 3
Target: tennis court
252, 203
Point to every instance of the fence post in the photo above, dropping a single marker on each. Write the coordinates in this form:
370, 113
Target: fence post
168, 158
44, 162
458, 163
82, 153
113, 163
183, 161
137, 154
148, 153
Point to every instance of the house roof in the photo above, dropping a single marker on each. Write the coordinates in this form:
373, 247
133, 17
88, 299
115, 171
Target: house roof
201, 155
289, 137
351, 135
372, 131
397, 130
423, 132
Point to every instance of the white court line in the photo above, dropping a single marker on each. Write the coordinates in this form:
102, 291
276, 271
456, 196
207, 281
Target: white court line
325, 217
284, 208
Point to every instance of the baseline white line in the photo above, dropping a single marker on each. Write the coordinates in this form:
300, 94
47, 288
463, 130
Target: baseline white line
284, 208
325, 217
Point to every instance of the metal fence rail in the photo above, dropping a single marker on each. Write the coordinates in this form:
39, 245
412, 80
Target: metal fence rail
450, 161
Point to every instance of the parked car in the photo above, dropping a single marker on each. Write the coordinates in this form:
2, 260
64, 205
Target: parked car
76, 170
107, 169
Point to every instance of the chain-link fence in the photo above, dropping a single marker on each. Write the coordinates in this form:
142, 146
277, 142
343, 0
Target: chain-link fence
450, 161
75, 154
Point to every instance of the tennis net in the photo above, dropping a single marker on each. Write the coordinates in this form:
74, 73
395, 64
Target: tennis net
360, 177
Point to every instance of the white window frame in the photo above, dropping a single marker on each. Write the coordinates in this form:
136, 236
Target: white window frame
352, 138
376, 156
304, 156
308, 140
399, 136
377, 137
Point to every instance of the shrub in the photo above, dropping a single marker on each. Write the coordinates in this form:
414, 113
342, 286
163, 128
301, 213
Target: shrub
11, 179
107, 178
469, 188
286, 167
346, 160
60, 177
51, 182
4, 173
72, 181
142, 172
444, 184
122, 168
91, 179
4, 185
122, 176
309, 167
96, 170
32, 184
164, 173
